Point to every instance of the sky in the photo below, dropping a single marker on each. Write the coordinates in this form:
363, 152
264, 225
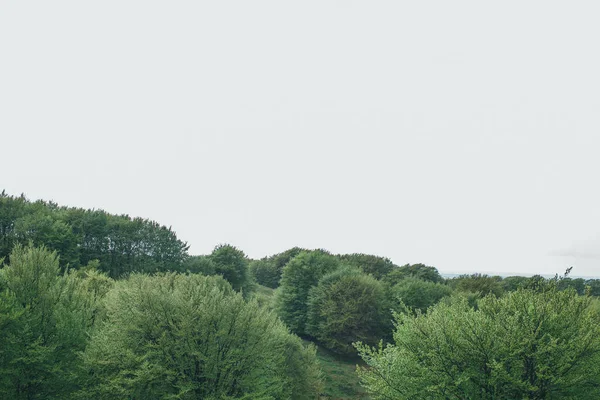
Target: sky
463, 135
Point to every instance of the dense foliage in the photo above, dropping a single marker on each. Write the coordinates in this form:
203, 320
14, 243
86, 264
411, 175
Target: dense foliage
299, 276
345, 307
268, 270
526, 345
189, 337
417, 294
45, 317
479, 284
121, 244
419, 271
369, 264
94, 305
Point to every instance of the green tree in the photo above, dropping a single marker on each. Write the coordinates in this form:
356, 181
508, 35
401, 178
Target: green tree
11, 209
267, 271
480, 284
193, 337
200, 265
42, 227
347, 306
369, 264
527, 344
121, 244
232, 264
419, 295
594, 286
512, 283
578, 284
299, 276
45, 318
419, 271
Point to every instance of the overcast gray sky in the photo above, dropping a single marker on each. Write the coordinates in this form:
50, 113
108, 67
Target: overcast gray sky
460, 134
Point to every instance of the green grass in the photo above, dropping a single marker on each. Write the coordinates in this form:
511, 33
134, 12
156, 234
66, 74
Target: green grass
339, 376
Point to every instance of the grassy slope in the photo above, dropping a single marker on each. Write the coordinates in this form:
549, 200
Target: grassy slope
339, 376
340, 379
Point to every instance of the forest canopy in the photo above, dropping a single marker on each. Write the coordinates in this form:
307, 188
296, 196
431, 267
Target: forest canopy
95, 305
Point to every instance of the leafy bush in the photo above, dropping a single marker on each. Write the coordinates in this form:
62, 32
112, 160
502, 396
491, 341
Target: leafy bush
347, 306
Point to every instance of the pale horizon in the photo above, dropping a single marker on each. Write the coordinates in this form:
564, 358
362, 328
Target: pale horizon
460, 135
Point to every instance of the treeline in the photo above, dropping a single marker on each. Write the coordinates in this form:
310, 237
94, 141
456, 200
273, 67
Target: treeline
119, 243
94, 305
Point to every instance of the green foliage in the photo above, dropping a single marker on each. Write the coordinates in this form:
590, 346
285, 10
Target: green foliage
578, 284
419, 271
593, 286
267, 271
11, 210
199, 265
121, 244
419, 295
369, 264
232, 264
525, 345
512, 283
347, 306
480, 284
45, 318
192, 337
299, 276
42, 226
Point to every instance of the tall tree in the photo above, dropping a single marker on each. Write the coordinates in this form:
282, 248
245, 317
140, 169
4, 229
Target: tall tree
299, 276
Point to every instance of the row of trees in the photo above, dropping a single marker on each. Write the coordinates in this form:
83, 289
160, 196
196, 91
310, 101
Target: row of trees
121, 244
80, 334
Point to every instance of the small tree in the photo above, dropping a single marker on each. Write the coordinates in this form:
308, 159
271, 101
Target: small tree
232, 264
347, 306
